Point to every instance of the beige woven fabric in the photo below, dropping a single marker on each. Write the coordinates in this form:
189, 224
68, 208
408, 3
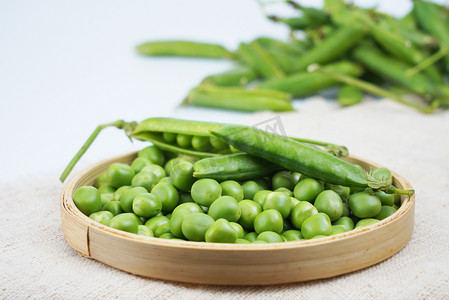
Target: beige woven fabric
36, 262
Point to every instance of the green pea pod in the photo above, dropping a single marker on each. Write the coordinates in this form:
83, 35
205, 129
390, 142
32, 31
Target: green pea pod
239, 166
237, 76
349, 95
433, 21
284, 61
298, 157
270, 44
184, 48
331, 48
306, 83
256, 57
239, 99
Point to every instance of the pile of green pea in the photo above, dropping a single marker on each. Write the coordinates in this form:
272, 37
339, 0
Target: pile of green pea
157, 195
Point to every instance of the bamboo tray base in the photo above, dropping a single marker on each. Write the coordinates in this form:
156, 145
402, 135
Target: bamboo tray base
234, 264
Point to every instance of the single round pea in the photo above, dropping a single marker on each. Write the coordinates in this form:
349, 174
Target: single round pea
163, 229
87, 199
296, 177
106, 189
171, 163
167, 236
278, 201
184, 140
101, 179
155, 222
189, 207
217, 143
382, 174
249, 210
106, 198
201, 143
169, 137
182, 176
147, 205
385, 199
301, 212
250, 188
329, 202
293, 201
336, 229
270, 237
237, 227
126, 199
144, 230
250, 236
385, 212
165, 180
292, 235
167, 194
232, 188
346, 222
178, 215
139, 163
318, 224
225, 207
153, 154
114, 207
128, 222
260, 197
146, 180
118, 193
307, 190
282, 179
285, 191
269, 220
195, 225
120, 174
103, 217
221, 232
366, 222
364, 205
205, 191
156, 170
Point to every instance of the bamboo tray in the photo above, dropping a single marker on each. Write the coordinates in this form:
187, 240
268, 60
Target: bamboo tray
234, 264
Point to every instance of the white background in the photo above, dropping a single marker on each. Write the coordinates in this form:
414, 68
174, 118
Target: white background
67, 66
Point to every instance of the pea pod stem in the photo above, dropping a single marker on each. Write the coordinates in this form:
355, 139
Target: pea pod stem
375, 90
427, 62
120, 124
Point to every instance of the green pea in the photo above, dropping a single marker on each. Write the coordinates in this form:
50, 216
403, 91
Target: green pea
156, 170
106, 198
217, 143
169, 137
188, 207
167, 194
382, 174
296, 177
329, 202
278, 201
260, 197
232, 188
106, 189
282, 179
182, 176
249, 210
385, 212
103, 217
118, 193
301, 212
292, 235
307, 190
139, 163
221, 232
178, 215
163, 229
318, 224
242, 241
173, 162
145, 180
269, 220
120, 174
126, 199
146, 205
128, 222
366, 222
167, 236
270, 237
205, 191
237, 227
153, 154
184, 140
155, 222
346, 222
250, 188
195, 225
285, 191
293, 202
225, 207
101, 180
251, 236
144, 230
87, 199
364, 205
114, 207
201, 143
336, 229
385, 199
165, 180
